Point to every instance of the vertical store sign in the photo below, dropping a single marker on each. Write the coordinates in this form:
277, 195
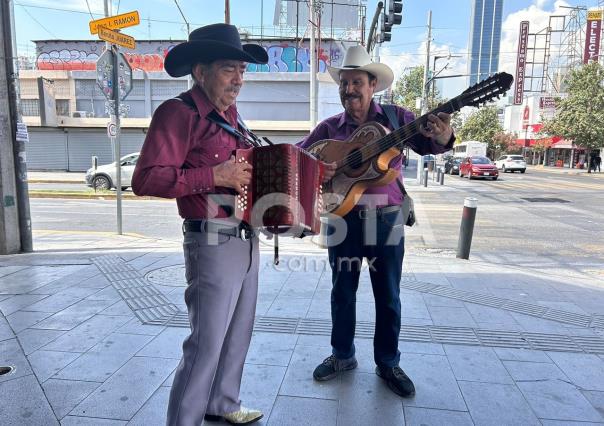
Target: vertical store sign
592, 36
521, 63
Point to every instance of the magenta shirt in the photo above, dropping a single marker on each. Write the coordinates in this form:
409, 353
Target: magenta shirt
179, 152
341, 126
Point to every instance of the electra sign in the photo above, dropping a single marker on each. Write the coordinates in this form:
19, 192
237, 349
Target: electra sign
592, 36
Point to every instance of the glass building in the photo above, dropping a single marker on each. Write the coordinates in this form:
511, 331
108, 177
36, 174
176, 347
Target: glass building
485, 37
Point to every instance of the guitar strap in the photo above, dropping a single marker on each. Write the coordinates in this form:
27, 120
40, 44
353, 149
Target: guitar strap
390, 111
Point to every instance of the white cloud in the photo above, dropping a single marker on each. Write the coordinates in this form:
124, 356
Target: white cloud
538, 16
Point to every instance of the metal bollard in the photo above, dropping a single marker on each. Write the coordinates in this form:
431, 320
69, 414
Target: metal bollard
442, 177
426, 177
467, 228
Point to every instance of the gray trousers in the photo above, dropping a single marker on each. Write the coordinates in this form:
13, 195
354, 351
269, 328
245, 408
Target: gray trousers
222, 278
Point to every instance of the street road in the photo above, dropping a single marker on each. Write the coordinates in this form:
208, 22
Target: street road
566, 230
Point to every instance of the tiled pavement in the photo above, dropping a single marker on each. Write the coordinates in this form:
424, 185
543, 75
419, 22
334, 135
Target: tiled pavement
93, 327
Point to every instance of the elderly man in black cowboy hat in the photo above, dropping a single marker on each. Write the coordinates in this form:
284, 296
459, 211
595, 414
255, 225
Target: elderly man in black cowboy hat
378, 213
187, 155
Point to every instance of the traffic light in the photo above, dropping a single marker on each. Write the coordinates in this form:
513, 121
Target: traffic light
393, 17
395, 9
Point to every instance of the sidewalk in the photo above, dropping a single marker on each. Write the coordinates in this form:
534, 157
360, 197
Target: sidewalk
564, 170
93, 326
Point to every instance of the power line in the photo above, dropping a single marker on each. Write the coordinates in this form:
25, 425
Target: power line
38, 22
89, 10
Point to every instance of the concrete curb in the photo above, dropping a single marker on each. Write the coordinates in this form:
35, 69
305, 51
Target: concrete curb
86, 196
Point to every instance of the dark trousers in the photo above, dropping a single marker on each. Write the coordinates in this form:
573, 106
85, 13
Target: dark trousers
379, 239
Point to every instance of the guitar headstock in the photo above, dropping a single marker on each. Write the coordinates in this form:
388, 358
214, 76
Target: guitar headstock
486, 90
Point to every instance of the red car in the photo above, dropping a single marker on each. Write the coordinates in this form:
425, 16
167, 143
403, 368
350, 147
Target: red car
478, 167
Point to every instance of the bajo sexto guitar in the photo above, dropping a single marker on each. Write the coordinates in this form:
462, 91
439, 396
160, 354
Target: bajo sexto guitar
363, 159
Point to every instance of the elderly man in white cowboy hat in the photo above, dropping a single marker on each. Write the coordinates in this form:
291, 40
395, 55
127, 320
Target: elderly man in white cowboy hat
187, 155
359, 79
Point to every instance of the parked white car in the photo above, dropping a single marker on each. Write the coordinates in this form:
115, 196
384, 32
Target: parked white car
511, 163
104, 176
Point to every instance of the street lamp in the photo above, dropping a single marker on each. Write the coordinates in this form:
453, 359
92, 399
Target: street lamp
435, 74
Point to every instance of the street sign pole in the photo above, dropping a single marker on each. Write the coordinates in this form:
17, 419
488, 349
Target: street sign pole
116, 144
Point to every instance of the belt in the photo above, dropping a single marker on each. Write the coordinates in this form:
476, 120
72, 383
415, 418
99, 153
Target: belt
241, 230
378, 211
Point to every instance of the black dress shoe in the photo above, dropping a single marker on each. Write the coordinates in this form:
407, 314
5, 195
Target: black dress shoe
397, 380
212, 418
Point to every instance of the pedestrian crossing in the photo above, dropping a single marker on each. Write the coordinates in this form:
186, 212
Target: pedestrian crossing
530, 184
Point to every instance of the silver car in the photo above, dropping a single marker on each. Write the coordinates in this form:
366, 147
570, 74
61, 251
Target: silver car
104, 176
511, 163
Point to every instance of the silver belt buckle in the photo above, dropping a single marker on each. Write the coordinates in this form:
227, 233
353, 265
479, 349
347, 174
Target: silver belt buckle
245, 234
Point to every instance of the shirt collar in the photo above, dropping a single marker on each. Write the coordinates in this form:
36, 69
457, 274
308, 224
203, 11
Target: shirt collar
374, 110
204, 106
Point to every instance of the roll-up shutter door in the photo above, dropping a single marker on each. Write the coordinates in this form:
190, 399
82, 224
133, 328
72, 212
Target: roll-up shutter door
84, 144
46, 149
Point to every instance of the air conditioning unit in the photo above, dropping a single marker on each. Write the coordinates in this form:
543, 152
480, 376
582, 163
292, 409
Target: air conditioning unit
79, 114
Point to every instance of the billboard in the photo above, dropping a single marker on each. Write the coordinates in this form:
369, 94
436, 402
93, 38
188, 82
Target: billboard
521, 63
592, 36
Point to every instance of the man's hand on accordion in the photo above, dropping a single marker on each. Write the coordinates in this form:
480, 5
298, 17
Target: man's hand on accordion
232, 175
329, 170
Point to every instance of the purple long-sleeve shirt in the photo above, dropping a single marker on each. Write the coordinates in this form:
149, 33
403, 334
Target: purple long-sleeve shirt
341, 126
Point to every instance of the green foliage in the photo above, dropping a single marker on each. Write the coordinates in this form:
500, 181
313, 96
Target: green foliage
409, 87
579, 116
482, 125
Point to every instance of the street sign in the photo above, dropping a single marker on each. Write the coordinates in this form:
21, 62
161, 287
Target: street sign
124, 75
117, 38
111, 130
104, 74
115, 22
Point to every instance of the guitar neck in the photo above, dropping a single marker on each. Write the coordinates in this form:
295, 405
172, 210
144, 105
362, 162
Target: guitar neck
401, 136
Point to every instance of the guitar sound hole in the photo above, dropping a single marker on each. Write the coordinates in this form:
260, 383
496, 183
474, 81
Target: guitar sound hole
355, 159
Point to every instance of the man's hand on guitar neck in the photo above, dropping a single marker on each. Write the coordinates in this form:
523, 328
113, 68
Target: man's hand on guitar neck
438, 128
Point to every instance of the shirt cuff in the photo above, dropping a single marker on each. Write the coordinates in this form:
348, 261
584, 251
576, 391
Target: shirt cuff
203, 180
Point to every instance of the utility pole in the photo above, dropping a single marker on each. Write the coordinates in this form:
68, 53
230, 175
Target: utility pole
115, 118
424, 109
227, 12
313, 64
189, 79
15, 221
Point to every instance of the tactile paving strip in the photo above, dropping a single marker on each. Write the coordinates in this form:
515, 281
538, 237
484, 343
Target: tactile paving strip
581, 320
152, 307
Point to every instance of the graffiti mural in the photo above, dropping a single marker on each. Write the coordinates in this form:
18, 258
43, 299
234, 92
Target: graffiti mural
284, 56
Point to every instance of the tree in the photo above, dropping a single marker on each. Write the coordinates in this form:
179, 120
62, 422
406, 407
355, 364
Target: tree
482, 125
506, 142
580, 115
409, 87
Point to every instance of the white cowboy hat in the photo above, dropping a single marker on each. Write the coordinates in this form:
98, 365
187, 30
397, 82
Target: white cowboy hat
357, 58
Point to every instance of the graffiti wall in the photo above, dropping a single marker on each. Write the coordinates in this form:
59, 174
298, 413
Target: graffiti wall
284, 56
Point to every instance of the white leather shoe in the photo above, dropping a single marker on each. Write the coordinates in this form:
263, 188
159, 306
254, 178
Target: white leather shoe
244, 416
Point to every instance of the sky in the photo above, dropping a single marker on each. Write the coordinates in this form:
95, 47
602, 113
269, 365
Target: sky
161, 19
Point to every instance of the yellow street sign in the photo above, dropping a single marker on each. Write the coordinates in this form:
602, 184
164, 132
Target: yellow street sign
117, 38
115, 22
594, 15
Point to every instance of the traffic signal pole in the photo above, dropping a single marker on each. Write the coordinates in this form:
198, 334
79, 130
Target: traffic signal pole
420, 162
15, 220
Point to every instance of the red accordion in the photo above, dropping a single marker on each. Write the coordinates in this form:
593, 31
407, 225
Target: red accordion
285, 194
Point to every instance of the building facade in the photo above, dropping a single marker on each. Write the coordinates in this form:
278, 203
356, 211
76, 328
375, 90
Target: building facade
485, 38
274, 100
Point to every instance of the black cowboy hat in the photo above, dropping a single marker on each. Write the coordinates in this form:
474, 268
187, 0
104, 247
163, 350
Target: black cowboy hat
208, 43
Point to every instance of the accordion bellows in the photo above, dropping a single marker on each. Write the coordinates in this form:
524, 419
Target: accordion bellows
285, 194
